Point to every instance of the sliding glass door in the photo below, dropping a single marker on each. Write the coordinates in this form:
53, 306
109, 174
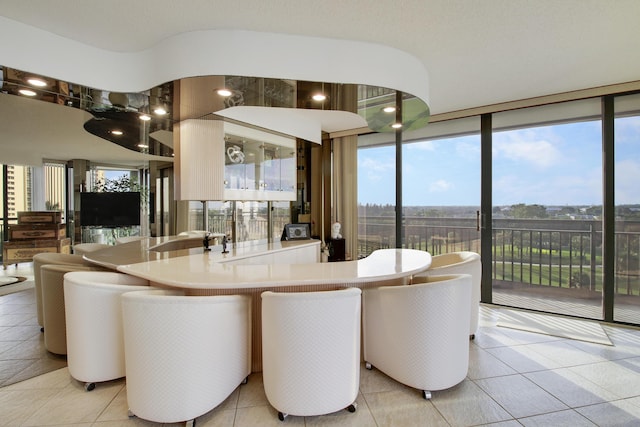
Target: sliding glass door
547, 209
627, 204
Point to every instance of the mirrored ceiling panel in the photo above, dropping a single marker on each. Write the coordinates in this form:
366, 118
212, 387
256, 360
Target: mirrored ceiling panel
143, 122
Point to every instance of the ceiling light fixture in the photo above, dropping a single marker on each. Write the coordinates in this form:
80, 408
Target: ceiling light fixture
319, 97
224, 92
27, 92
389, 109
145, 117
396, 125
116, 132
34, 81
143, 146
160, 111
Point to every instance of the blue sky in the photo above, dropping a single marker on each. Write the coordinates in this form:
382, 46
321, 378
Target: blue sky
549, 165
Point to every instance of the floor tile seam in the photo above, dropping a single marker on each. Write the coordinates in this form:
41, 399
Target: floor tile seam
577, 408
608, 390
366, 402
516, 370
533, 383
494, 401
569, 365
618, 397
19, 372
106, 406
561, 410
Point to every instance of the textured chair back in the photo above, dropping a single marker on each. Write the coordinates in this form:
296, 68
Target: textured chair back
95, 342
418, 334
50, 258
184, 355
311, 350
53, 310
464, 262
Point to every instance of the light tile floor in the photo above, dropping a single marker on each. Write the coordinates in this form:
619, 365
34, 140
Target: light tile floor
515, 379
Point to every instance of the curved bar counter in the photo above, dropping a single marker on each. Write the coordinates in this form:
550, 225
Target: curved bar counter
254, 267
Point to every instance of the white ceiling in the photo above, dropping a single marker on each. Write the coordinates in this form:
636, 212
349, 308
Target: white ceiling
475, 52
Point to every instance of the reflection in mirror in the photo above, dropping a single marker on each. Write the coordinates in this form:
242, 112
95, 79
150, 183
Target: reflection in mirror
135, 120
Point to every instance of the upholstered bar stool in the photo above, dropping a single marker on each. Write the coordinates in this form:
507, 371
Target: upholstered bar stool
50, 258
418, 334
95, 342
463, 262
184, 355
311, 351
53, 312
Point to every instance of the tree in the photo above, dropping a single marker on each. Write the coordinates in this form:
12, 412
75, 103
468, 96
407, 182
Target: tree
524, 211
120, 184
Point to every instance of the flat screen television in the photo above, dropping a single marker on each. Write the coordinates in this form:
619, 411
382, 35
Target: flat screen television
110, 209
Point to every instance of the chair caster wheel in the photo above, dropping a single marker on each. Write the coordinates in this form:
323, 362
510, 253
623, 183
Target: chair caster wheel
368, 365
282, 416
246, 380
472, 336
352, 407
426, 394
89, 386
130, 414
42, 329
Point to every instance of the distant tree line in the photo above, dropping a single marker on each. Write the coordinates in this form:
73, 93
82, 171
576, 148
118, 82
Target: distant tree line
517, 211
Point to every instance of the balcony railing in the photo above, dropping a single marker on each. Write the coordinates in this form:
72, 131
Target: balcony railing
525, 253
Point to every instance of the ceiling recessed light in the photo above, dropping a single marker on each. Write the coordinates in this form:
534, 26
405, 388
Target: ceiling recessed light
319, 97
160, 111
116, 132
224, 92
36, 82
389, 109
27, 92
143, 146
145, 117
396, 125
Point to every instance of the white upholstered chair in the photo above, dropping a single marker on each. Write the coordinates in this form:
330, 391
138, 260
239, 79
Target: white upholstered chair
184, 355
418, 334
53, 311
463, 262
311, 351
50, 258
95, 343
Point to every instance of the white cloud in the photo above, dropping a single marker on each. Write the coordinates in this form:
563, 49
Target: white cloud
374, 169
517, 146
422, 145
440, 186
626, 181
468, 150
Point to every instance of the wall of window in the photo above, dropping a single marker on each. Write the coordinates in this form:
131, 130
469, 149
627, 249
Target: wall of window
547, 208
627, 205
547, 185
242, 221
376, 194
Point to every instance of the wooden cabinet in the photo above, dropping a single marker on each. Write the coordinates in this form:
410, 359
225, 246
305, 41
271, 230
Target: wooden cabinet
36, 232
